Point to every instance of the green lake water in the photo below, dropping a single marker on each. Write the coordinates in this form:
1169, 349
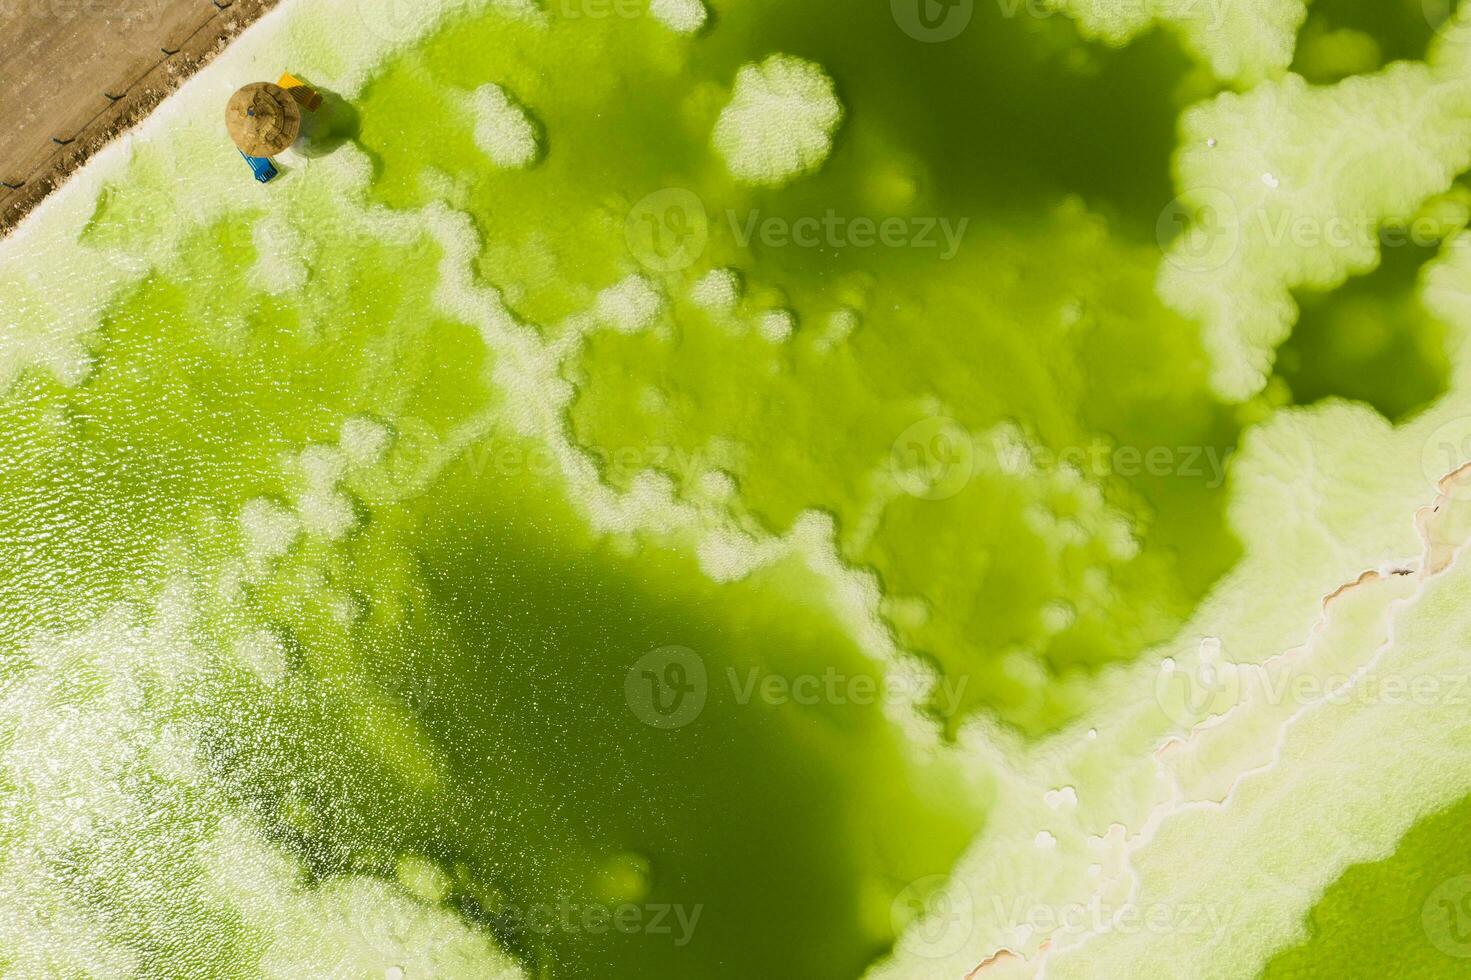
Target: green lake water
455, 709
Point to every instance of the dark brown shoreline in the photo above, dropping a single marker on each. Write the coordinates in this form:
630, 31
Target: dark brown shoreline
80, 73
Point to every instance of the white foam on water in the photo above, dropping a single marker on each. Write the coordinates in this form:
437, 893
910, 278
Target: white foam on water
503, 128
777, 326
279, 266
1058, 615
120, 850
364, 441
718, 290
729, 555
1178, 797
321, 509
1059, 798
780, 121
631, 305
346, 927
323, 467
529, 370
841, 325
269, 529
326, 515
680, 16
718, 485
346, 609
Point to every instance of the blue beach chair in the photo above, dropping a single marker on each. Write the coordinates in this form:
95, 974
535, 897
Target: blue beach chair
263, 168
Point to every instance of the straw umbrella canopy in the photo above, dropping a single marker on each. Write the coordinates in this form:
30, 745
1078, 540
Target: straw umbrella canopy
263, 119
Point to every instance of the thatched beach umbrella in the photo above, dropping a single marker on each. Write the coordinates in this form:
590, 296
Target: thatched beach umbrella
263, 119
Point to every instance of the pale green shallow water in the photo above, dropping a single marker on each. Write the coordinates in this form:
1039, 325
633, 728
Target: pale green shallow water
303, 594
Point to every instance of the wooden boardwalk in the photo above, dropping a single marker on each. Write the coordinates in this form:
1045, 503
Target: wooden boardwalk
76, 73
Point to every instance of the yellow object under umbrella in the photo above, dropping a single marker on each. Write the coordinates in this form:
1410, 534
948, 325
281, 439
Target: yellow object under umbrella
263, 119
